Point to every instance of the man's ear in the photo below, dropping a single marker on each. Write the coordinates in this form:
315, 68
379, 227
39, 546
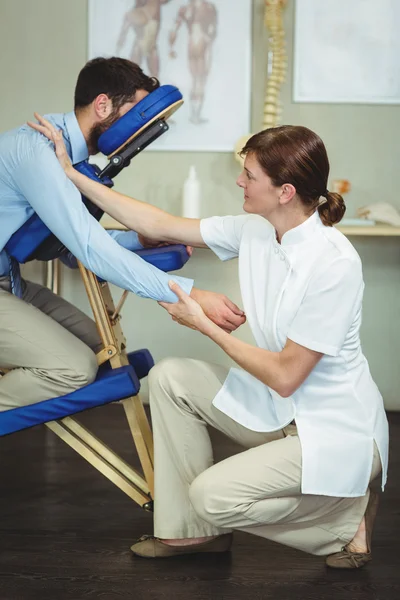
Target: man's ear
102, 105
288, 191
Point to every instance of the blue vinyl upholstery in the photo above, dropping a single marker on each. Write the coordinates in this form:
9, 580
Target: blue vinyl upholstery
109, 386
144, 111
141, 360
166, 258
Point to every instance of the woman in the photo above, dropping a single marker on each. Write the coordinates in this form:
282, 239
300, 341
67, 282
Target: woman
303, 403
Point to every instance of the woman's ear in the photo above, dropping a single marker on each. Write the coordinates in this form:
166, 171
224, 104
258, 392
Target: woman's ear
288, 191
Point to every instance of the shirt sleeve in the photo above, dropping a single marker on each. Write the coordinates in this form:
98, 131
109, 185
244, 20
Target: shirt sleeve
126, 239
329, 307
41, 180
223, 234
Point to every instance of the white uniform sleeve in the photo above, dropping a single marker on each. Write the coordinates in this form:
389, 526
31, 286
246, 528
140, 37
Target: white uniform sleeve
329, 307
223, 234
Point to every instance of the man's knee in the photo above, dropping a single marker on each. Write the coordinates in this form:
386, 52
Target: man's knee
83, 371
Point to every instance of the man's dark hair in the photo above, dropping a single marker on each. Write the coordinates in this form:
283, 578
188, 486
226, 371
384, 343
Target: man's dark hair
119, 78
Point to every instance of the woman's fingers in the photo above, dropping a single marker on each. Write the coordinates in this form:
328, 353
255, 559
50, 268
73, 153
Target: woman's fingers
44, 122
61, 150
177, 290
54, 135
46, 128
41, 129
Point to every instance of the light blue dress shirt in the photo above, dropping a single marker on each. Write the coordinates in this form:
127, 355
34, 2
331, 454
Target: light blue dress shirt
32, 180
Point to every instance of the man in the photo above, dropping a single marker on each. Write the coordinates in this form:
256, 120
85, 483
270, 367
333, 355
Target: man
200, 17
48, 344
144, 19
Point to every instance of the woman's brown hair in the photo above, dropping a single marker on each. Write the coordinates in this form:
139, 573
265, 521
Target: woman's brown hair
296, 155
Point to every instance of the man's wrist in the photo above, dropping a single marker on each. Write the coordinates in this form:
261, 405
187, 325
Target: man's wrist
195, 294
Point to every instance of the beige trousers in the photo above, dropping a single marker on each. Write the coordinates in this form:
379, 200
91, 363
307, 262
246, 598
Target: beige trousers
48, 343
258, 490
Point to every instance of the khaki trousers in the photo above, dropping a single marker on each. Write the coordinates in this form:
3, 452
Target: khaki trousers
258, 490
48, 343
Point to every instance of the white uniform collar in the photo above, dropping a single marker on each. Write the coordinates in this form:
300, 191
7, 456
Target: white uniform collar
302, 232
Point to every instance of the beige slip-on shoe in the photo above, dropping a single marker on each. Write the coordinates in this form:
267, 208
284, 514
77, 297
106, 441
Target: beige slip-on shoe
354, 560
149, 546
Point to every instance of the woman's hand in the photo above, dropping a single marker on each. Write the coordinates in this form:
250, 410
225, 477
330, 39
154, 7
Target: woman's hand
187, 311
55, 136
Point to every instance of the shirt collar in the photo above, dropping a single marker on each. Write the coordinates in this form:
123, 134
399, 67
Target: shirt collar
302, 232
79, 149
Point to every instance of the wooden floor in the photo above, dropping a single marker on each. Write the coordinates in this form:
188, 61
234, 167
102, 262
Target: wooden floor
65, 533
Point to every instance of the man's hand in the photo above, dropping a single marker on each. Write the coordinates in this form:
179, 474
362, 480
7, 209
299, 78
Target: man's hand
219, 309
148, 243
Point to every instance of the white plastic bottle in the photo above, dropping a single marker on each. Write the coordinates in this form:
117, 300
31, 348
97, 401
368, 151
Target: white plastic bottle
191, 195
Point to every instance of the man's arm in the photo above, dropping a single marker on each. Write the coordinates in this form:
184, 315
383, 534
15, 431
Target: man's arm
126, 239
58, 203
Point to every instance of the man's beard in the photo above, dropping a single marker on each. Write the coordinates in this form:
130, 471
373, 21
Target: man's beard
100, 128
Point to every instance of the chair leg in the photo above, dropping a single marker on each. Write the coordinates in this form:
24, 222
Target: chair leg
102, 304
86, 436
100, 463
142, 437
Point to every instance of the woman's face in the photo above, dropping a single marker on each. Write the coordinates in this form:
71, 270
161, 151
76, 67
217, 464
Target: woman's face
261, 197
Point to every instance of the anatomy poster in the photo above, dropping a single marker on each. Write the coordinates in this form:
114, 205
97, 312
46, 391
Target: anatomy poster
201, 46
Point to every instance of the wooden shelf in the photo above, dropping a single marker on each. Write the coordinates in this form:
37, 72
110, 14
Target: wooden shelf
371, 230
348, 230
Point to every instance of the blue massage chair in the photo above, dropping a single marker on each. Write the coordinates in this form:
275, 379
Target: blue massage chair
119, 372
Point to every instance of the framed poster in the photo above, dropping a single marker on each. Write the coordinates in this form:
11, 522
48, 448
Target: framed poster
347, 51
201, 46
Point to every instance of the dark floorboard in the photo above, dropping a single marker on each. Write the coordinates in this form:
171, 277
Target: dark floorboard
65, 533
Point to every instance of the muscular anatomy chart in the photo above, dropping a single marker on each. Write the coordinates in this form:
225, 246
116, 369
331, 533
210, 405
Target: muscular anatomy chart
201, 46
